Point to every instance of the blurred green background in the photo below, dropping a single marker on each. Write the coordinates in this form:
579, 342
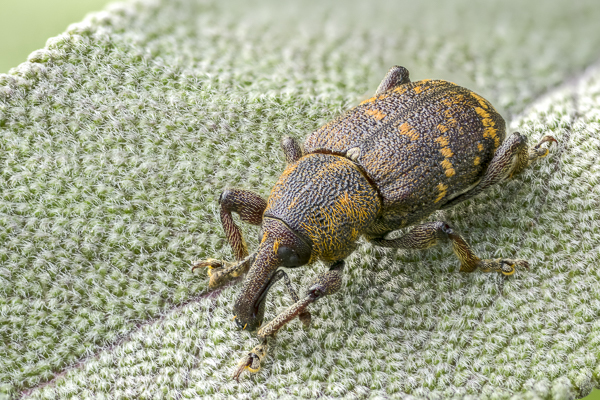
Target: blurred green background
27, 24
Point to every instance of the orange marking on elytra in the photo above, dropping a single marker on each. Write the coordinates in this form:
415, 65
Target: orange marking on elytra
447, 152
406, 129
482, 113
491, 133
449, 170
442, 128
443, 190
442, 140
378, 115
480, 100
480, 146
477, 161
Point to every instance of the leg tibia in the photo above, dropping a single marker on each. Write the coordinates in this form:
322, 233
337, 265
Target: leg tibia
249, 206
428, 234
419, 238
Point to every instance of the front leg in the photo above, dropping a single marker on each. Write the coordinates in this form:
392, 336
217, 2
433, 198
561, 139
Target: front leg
427, 235
250, 207
325, 284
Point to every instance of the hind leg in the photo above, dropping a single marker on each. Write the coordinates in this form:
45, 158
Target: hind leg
427, 235
511, 158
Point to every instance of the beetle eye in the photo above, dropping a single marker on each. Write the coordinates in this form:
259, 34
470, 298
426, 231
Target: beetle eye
290, 258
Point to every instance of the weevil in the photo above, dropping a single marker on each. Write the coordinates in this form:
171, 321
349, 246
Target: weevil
386, 164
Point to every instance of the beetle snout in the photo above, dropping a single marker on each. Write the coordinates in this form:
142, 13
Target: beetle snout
248, 316
279, 247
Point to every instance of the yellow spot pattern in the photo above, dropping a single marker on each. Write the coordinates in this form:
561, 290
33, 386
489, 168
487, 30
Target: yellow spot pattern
406, 129
480, 100
450, 121
489, 130
455, 100
477, 161
423, 85
443, 141
443, 190
378, 115
480, 147
447, 153
449, 170
375, 98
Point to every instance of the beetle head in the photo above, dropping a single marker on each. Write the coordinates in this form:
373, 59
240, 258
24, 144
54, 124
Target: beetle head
280, 247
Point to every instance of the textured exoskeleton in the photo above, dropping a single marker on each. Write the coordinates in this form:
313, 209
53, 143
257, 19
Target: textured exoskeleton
412, 149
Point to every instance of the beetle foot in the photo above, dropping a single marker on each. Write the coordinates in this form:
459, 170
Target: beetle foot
539, 152
212, 264
506, 266
216, 271
251, 361
221, 272
305, 318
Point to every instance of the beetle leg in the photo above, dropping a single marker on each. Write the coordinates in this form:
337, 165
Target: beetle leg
427, 235
292, 149
537, 151
250, 207
324, 285
221, 272
251, 361
303, 316
510, 159
396, 76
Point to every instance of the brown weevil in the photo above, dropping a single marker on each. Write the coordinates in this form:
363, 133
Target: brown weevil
386, 164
